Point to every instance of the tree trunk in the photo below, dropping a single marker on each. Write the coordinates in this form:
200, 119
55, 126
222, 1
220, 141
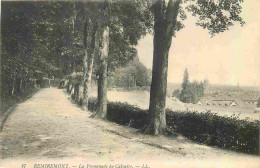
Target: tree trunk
85, 67
164, 24
102, 80
90, 52
85, 90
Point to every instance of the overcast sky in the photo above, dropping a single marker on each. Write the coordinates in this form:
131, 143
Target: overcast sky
231, 57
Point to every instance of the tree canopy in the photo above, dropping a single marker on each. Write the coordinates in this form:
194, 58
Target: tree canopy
46, 38
135, 74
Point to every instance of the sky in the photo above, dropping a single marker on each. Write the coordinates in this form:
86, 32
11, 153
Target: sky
232, 57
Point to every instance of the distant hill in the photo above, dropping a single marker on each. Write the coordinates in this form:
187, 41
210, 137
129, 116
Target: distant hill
172, 86
232, 87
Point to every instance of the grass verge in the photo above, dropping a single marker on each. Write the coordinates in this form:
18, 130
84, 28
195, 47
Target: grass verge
9, 102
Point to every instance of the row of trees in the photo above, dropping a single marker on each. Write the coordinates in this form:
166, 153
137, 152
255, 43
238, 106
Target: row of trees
58, 36
46, 39
37, 41
109, 31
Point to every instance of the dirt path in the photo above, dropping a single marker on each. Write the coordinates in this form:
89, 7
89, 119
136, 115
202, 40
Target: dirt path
49, 128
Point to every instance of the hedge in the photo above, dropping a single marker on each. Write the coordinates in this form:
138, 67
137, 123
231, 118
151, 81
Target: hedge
123, 113
206, 128
211, 129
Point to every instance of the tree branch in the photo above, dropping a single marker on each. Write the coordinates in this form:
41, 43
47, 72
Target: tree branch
171, 15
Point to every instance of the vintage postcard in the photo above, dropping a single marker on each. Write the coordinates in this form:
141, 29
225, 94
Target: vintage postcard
130, 84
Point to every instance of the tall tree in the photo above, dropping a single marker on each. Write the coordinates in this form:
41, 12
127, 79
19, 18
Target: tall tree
102, 80
91, 40
122, 38
85, 67
216, 16
164, 23
120, 33
90, 51
186, 95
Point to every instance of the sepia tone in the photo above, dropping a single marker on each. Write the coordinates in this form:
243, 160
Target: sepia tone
130, 84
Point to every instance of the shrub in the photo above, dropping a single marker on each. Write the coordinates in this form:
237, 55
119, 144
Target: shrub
176, 93
225, 132
123, 113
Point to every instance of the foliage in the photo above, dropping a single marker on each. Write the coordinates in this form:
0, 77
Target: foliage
211, 129
186, 95
128, 22
197, 89
134, 74
216, 16
44, 39
36, 38
176, 93
191, 92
